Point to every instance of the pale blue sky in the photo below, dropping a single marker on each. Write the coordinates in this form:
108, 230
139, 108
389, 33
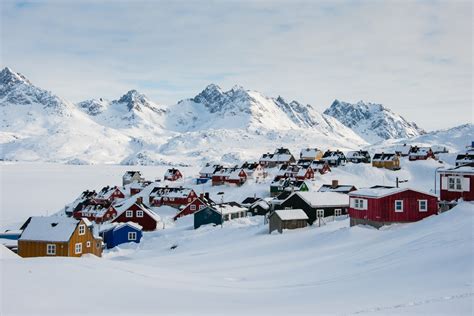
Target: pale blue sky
413, 56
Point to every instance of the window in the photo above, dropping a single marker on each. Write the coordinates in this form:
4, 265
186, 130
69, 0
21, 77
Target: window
51, 249
139, 213
132, 236
454, 183
78, 248
82, 229
129, 214
337, 212
398, 205
201, 207
189, 199
171, 199
360, 204
320, 213
423, 205
165, 199
193, 207
88, 244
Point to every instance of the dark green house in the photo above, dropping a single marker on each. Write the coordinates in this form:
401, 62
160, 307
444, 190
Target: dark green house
278, 186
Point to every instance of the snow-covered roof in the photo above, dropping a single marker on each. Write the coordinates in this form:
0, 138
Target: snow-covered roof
171, 172
209, 169
333, 155
234, 175
318, 199
338, 188
94, 210
276, 158
467, 168
384, 157
117, 226
419, 151
379, 192
229, 208
309, 152
171, 192
356, 154
402, 149
49, 228
302, 172
287, 215
263, 204
106, 192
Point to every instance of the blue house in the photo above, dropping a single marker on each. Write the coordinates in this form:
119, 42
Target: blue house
218, 214
121, 233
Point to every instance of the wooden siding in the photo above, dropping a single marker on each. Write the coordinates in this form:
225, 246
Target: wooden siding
383, 209
446, 195
31, 248
146, 222
276, 223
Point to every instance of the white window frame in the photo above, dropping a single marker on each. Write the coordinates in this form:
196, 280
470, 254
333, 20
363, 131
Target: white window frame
139, 213
128, 213
82, 229
425, 209
337, 212
320, 213
359, 204
396, 208
193, 207
171, 199
78, 248
88, 244
51, 249
455, 184
133, 234
201, 207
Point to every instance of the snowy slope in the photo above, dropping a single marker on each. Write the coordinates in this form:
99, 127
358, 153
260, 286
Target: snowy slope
423, 268
373, 122
453, 139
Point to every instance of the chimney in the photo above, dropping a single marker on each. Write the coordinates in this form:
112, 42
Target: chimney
201, 195
140, 200
335, 184
206, 195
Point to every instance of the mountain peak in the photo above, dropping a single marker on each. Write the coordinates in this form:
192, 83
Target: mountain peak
372, 121
8, 76
134, 100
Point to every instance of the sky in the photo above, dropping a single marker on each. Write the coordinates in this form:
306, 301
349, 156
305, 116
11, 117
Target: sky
415, 57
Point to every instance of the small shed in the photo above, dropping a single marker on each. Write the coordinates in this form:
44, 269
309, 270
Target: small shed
287, 219
121, 233
219, 213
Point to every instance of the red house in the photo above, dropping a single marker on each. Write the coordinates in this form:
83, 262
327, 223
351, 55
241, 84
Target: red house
109, 194
173, 174
420, 153
320, 166
196, 205
137, 187
97, 213
133, 210
379, 206
175, 197
234, 175
457, 183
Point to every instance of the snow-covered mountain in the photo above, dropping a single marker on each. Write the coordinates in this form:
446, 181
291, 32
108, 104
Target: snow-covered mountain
238, 108
373, 122
233, 125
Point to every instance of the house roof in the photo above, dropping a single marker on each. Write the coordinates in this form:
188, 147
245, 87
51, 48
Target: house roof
402, 149
50, 228
287, 215
331, 155
319, 199
171, 172
467, 168
171, 192
338, 188
384, 156
106, 192
131, 174
357, 154
117, 226
208, 168
379, 192
229, 208
250, 200
309, 152
419, 151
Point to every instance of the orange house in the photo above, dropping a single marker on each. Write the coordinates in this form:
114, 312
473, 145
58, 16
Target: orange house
58, 236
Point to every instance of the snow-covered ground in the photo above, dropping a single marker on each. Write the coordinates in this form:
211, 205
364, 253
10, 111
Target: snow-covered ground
421, 268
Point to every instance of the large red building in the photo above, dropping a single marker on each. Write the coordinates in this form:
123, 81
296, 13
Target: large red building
379, 206
457, 183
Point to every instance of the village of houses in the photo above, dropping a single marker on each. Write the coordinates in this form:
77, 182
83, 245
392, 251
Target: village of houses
122, 213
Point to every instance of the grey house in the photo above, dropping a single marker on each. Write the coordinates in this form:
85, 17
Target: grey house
287, 219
